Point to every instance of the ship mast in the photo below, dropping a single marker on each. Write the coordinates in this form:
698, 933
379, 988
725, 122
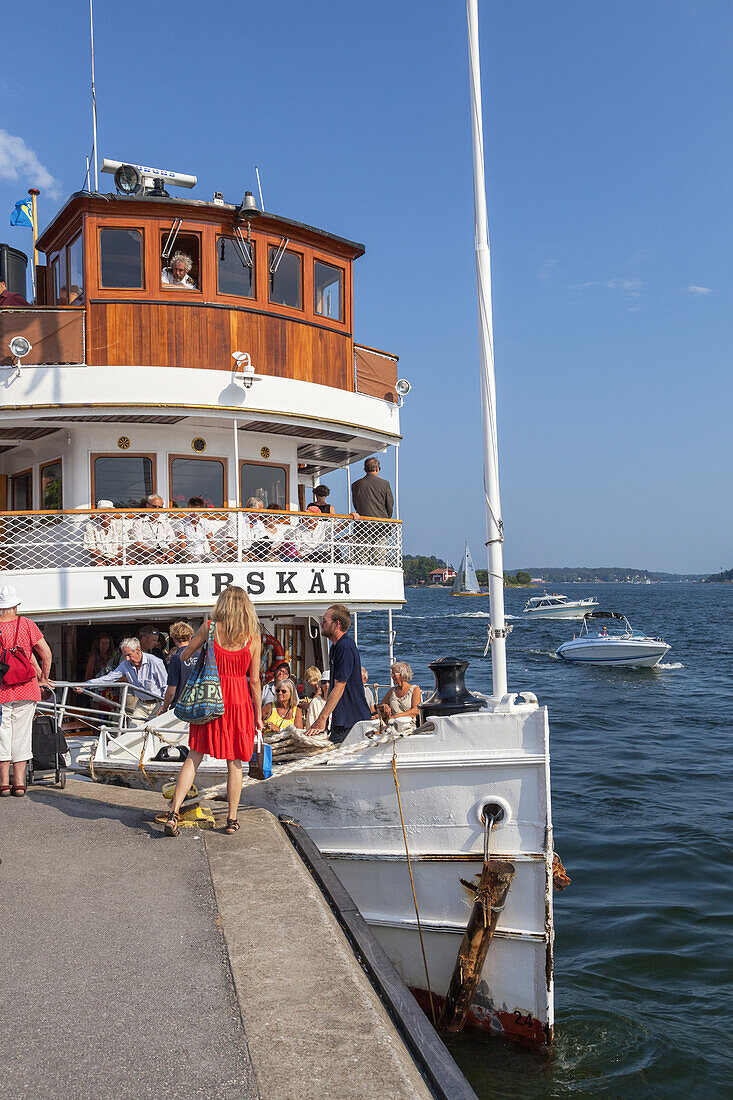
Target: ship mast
494, 524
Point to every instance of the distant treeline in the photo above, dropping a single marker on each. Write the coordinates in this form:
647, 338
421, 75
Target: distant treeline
606, 573
417, 568
725, 577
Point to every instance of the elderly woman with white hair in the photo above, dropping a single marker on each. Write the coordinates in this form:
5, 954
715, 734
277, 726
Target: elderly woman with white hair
403, 699
177, 272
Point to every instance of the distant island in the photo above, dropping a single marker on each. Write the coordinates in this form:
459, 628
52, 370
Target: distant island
604, 574
726, 577
417, 569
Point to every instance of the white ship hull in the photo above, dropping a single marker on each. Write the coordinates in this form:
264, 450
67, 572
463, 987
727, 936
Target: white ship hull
624, 653
349, 808
564, 611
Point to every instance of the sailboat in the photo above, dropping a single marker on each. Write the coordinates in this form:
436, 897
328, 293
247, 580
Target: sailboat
466, 582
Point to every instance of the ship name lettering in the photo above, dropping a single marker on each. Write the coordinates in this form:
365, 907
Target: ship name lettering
342, 583
285, 582
162, 584
188, 585
255, 583
122, 586
222, 581
317, 584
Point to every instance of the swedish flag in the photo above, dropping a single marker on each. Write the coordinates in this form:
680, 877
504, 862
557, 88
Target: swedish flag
22, 215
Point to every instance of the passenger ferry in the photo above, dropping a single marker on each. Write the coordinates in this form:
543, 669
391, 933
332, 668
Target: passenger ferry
185, 348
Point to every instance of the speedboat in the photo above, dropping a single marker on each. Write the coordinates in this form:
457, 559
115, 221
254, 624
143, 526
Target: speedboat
628, 649
556, 606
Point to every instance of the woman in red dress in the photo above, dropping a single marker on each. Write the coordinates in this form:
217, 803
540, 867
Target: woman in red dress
230, 737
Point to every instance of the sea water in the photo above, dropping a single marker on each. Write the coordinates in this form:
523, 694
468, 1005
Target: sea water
642, 790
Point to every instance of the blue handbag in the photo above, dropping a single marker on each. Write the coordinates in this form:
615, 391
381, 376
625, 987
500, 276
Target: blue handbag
260, 766
201, 699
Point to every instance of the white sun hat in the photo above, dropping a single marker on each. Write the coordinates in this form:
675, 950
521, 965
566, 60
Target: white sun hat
105, 504
8, 597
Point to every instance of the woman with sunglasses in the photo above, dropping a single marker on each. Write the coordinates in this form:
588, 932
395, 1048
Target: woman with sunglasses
284, 711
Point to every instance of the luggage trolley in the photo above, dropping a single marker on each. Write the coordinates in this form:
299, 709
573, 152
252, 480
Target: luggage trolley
48, 747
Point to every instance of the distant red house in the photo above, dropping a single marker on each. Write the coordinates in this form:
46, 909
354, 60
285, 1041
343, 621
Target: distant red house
440, 576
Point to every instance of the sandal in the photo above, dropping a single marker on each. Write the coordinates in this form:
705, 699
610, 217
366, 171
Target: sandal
171, 824
232, 826
18, 791
5, 791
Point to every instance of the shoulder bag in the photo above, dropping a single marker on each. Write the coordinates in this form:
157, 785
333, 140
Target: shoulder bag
19, 668
201, 699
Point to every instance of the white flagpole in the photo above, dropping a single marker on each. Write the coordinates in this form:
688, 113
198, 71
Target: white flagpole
494, 524
94, 99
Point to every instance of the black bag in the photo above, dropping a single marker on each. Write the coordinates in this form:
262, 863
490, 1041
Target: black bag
48, 743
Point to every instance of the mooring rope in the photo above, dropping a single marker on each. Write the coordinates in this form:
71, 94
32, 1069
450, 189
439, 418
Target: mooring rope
412, 882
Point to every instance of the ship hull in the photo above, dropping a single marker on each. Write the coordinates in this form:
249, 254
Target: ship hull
349, 807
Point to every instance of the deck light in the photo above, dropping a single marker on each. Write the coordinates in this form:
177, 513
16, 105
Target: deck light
403, 387
128, 180
19, 347
244, 372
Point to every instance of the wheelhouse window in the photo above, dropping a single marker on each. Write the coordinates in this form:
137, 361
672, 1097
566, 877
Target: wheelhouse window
75, 267
126, 480
268, 482
197, 477
327, 290
21, 491
286, 278
52, 497
121, 259
180, 265
55, 279
235, 267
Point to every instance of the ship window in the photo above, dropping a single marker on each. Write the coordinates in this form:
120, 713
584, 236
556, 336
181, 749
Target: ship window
180, 267
75, 262
197, 477
121, 258
327, 284
51, 486
55, 280
286, 279
266, 481
236, 273
21, 491
126, 480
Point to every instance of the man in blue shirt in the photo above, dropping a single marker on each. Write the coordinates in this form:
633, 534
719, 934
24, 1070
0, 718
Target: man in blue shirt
141, 670
346, 703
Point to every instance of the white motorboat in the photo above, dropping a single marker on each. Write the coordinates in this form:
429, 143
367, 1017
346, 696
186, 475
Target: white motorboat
627, 649
556, 606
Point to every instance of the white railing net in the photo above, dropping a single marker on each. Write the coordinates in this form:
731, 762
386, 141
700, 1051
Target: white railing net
74, 540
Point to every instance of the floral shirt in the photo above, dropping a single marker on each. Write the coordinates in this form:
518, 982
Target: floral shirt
28, 635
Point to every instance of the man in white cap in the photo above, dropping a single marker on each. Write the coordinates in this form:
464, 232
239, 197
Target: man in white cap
18, 699
103, 536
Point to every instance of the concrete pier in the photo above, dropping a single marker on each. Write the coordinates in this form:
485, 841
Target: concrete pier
208, 965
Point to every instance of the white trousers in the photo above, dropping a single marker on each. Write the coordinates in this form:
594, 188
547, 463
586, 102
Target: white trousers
15, 731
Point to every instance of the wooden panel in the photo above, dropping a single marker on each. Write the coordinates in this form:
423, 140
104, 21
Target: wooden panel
55, 335
168, 335
376, 373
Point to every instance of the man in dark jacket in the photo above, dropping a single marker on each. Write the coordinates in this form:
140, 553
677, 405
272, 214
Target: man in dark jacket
371, 495
9, 299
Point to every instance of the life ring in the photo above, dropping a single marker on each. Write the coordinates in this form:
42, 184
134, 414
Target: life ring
272, 654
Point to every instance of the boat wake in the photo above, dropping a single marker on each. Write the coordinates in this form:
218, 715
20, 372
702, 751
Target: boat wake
672, 664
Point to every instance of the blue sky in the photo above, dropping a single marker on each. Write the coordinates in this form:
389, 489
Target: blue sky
609, 168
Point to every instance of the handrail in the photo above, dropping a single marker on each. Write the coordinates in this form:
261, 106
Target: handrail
205, 512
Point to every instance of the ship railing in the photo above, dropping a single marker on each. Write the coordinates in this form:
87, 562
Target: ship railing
111, 713
32, 541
